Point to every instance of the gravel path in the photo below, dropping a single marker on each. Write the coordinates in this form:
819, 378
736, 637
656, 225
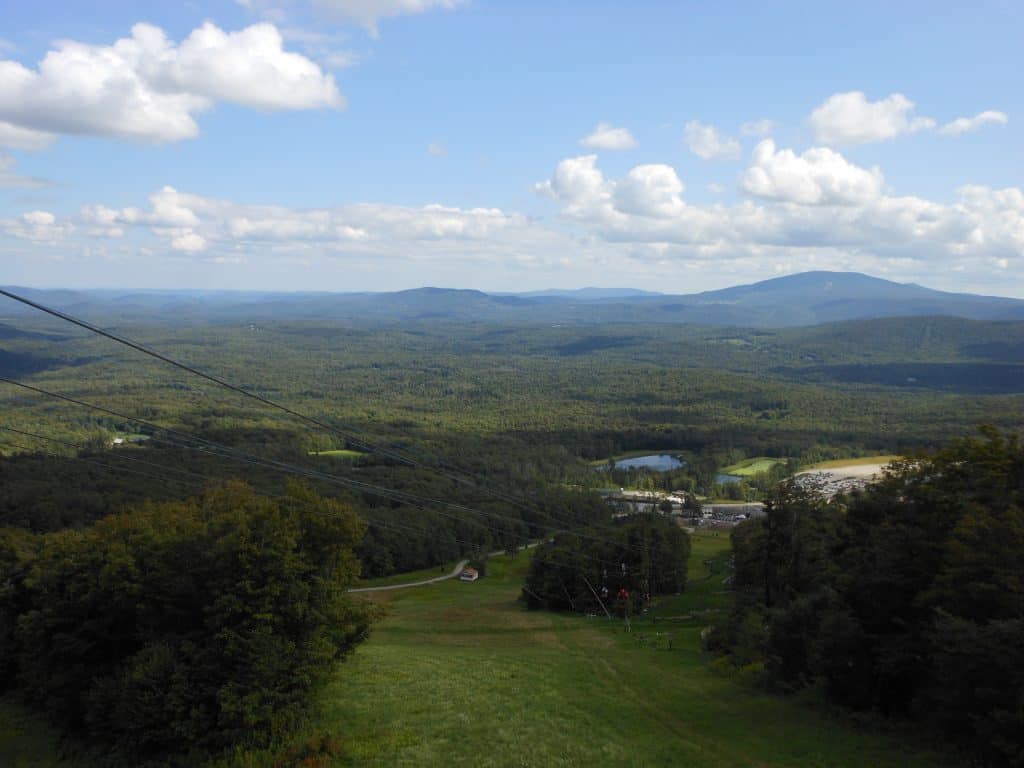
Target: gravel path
422, 583
455, 572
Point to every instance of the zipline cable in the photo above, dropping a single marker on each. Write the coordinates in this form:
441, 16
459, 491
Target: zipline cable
366, 444
391, 525
416, 500
210, 446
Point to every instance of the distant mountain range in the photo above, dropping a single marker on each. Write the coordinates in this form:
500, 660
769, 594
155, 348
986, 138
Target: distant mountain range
586, 294
808, 298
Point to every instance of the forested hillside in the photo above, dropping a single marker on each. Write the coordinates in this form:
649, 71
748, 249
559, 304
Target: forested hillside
907, 600
444, 440
520, 409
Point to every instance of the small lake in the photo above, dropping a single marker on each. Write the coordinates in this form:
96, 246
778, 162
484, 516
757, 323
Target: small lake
726, 479
659, 462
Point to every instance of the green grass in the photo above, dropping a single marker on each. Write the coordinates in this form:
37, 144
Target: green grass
705, 593
750, 467
340, 453
858, 462
461, 675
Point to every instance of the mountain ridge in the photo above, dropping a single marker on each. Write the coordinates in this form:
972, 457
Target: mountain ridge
805, 298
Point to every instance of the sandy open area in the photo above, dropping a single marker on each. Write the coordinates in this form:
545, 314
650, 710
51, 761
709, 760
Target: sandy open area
853, 470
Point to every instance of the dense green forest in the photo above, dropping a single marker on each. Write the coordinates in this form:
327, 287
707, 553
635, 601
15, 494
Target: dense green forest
182, 627
437, 440
907, 599
520, 409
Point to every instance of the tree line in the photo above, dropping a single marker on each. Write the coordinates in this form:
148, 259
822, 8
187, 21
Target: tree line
907, 599
182, 628
601, 568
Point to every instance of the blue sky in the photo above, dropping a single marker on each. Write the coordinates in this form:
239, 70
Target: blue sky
387, 144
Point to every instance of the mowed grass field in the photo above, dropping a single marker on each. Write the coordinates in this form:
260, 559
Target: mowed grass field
461, 675
751, 467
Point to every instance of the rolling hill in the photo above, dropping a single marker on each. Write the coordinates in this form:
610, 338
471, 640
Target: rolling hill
808, 298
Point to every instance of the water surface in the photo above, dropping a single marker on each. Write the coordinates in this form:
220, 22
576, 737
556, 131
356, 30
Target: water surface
658, 462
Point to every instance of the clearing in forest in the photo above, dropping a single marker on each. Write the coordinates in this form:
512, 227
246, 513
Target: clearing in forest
867, 466
751, 467
462, 675
839, 464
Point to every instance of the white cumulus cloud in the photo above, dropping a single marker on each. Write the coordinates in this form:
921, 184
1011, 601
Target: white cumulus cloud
645, 206
964, 125
650, 190
188, 241
147, 88
849, 118
37, 226
809, 210
194, 223
576, 181
168, 208
15, 137
606, 136
819, 176
101, 221
705, 141
811, 204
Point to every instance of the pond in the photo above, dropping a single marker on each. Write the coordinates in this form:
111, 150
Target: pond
723, 479
659, 462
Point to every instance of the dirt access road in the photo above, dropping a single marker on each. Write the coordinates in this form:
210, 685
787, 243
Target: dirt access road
424, 582
455, 572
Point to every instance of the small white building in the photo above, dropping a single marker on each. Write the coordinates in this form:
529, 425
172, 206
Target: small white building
469, 574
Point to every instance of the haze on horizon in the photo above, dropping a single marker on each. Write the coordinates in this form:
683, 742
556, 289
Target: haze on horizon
347, 145
583, 293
